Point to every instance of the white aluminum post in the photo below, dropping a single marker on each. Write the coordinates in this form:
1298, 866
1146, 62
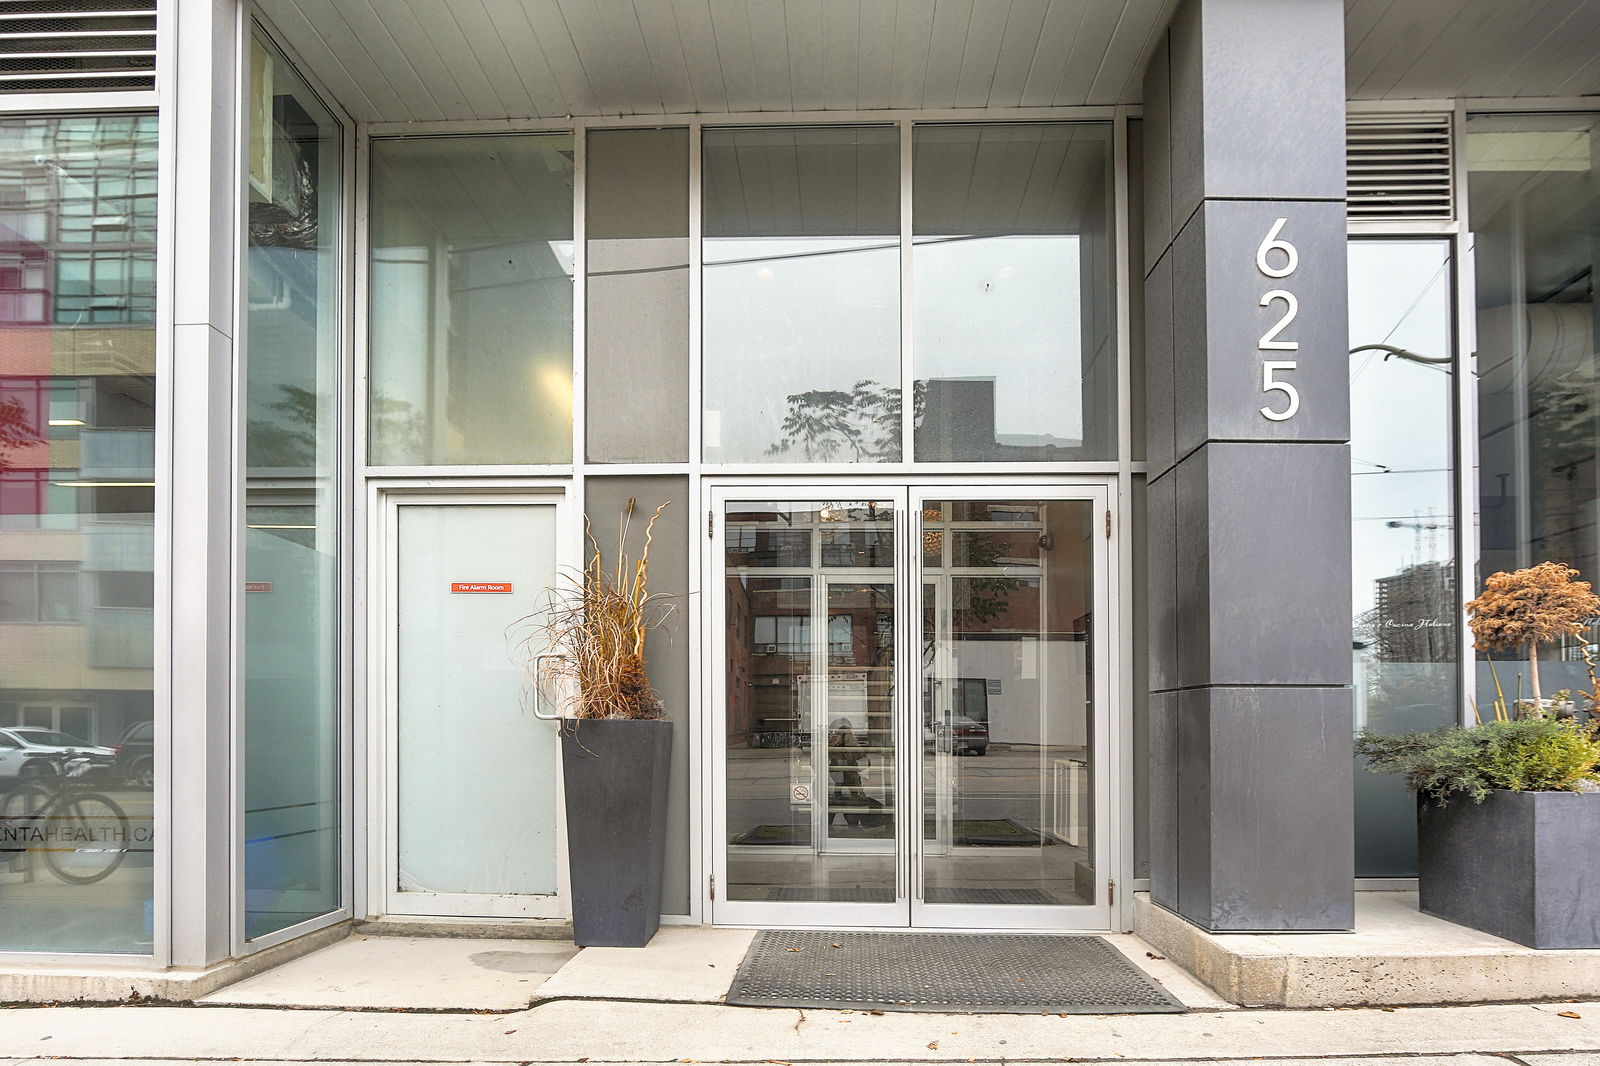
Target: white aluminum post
199, 119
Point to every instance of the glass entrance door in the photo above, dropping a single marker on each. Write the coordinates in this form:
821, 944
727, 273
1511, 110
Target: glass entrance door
948, 772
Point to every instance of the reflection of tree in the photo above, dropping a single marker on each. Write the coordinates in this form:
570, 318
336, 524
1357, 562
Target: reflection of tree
861, 424
288, 441
980, 600
396, 426
16, 429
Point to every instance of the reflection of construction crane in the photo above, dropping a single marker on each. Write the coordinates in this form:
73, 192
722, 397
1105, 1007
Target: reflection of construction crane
1431, 526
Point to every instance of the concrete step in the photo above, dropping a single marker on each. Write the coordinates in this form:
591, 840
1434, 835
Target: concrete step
1397, 956
467, 928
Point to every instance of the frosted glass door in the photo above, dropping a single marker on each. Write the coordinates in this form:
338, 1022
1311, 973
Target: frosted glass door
474, 790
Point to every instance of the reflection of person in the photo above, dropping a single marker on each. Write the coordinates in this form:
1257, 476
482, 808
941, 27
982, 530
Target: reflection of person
845, 762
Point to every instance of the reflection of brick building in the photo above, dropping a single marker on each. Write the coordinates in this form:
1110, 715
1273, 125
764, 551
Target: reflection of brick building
1414, 621
77, 366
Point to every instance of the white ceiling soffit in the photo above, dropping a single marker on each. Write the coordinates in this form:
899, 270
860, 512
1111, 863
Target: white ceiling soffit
430, 60
1441, 49
427, 60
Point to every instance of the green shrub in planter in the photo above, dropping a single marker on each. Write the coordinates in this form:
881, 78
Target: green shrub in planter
1518, 860
1525, 755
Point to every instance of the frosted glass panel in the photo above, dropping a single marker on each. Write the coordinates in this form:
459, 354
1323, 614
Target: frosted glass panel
471, 279
476, 807
638, 295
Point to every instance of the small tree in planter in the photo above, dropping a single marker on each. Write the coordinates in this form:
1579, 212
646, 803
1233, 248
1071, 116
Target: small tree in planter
616, 743
1519, 610
1518, 860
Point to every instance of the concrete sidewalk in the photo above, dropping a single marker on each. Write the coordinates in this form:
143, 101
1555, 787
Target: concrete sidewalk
623, 1032
381, 999
682, 964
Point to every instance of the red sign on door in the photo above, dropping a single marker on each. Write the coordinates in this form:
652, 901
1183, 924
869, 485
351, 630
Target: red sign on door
480, 586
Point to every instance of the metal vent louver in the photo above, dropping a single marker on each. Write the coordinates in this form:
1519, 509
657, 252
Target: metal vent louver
56, 45
1398, 167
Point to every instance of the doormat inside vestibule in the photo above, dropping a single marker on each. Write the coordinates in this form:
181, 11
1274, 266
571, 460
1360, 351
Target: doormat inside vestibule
945, 973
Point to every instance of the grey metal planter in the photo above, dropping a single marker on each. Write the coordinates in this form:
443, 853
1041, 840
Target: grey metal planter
1521, 865
615, 772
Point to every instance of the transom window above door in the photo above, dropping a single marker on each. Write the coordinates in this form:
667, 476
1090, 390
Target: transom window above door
970, 268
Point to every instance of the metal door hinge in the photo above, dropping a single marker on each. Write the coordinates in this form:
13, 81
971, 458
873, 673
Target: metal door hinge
711, 519
713, 886
1108, 523
1111, 893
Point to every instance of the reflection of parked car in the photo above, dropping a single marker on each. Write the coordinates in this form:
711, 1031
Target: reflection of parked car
136, 755
968, 735
31, 752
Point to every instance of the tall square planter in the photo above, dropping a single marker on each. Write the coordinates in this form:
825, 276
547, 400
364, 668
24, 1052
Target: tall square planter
614, 772
1520, 865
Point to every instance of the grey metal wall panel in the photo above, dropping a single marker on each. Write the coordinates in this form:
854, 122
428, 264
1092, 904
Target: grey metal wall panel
1196, 603
1158, 368
1272, 558
1282, 840
667, 649
1186, 152
1219, 321
1157, 137
1251, 819
1258, 105
1164, 798
1274, 99
1162, 567
1193, 817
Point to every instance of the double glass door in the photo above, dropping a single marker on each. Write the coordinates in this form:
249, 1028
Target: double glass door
913, 714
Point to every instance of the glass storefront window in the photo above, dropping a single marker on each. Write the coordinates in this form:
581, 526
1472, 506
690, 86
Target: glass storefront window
1014, 356
1533, 185
801, 295
1405, 632
77, 532
290, 648
471, 300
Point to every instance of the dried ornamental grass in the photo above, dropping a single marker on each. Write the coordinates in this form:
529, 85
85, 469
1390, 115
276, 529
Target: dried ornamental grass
591, 632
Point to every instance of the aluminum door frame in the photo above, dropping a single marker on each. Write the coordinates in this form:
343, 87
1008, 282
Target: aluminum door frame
804, 914
384, 827
1103, 753
1107, 809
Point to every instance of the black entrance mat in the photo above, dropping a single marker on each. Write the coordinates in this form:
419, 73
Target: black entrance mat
945, 973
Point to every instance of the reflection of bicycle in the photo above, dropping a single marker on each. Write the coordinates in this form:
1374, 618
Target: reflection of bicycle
82, 835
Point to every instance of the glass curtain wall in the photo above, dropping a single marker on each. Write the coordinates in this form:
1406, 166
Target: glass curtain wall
1014, 355
77, 531
1534, 193
1406, 627
471, 300
290, 650
1013, 344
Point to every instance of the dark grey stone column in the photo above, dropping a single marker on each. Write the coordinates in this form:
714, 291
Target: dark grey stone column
1251, 809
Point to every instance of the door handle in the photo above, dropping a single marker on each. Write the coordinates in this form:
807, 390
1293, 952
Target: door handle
538, 689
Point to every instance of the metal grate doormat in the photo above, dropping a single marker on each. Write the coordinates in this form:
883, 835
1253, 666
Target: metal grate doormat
948, 973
